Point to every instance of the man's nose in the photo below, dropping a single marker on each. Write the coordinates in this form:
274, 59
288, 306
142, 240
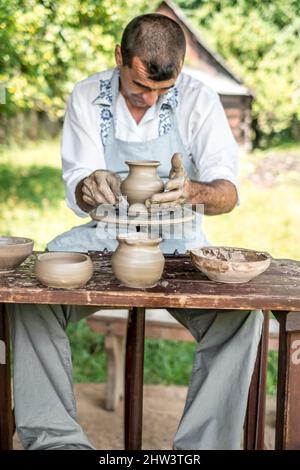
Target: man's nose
150, 97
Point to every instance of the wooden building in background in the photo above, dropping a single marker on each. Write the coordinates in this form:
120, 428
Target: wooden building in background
208, 67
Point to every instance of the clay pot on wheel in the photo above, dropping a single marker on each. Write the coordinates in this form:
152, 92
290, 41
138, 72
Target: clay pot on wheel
138, 261
142, 181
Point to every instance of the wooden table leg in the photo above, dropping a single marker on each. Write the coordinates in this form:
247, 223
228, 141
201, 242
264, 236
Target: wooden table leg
6, 414
254, 428
288, 386
134, 375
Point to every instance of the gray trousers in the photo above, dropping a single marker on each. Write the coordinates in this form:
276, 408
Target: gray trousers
215, 407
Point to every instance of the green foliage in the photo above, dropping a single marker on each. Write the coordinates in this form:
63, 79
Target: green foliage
46, 47
261, 42
88, 354
272, 372
167, 362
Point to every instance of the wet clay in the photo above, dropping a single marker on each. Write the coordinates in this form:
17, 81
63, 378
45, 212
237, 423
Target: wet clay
142, 181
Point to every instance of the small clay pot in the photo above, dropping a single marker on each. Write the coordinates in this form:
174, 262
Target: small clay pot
13, 251
63, 269
142, 181
138, 261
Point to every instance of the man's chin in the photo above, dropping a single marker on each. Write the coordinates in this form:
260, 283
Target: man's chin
141, 105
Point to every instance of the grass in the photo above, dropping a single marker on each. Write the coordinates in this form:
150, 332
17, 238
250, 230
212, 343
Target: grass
267, 219
32, 194
32, 205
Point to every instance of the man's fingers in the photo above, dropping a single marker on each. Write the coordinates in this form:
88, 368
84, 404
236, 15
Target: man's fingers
97, 194
86, 190
114, 182
177, 166
168, 196
104, 189
89, 200
163, 206
176, 161
175, 183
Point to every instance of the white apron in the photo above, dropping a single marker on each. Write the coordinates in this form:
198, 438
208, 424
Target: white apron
93, 236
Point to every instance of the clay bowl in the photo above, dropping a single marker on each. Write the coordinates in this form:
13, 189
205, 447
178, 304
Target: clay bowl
230, 265
63, 270
13, 251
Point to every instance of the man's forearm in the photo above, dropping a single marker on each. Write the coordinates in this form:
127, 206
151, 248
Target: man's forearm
84, 206
218, 197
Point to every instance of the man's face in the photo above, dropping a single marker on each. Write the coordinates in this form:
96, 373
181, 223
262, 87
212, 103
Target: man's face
138, 90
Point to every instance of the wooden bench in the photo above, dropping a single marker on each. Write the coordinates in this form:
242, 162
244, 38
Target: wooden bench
159, 325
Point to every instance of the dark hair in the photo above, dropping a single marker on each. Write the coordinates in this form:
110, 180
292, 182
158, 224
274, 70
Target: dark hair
159, 43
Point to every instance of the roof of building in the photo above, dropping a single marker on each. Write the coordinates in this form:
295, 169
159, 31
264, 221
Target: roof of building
223, 80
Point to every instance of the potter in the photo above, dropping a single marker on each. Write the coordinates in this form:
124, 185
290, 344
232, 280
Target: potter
143, 109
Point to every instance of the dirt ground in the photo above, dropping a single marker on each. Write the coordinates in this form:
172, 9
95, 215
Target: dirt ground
163, 406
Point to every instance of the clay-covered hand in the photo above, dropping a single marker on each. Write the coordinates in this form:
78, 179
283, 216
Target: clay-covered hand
176, 189
101, 187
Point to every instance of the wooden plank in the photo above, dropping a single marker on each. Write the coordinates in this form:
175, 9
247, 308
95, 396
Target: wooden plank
293, 322
288, 388
115, 371
155, 329
6, 414
255, 416
134, 373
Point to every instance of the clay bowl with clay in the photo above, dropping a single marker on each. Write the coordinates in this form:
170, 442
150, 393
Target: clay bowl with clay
230, 265
13, 251
64, 270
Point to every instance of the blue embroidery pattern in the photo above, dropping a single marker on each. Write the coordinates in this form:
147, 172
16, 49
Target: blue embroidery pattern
105, 111
172, 97
105, 121
164, 124
171, 100
106, 90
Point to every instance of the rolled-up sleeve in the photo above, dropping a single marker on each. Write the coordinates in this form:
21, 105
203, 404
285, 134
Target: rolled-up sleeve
214, 149
81, 147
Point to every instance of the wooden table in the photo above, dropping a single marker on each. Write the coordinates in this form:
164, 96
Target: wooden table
278, 290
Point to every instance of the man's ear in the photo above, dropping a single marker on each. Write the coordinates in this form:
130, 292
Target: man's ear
118, 55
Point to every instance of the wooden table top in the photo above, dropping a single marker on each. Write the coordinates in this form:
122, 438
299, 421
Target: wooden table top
182, 285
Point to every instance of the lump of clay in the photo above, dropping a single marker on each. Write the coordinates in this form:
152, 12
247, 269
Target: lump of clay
136, 209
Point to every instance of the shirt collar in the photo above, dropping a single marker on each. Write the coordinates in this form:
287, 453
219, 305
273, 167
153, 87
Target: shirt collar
170, 98
105, 95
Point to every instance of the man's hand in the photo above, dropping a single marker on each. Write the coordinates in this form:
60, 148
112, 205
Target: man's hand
176, 189
101, 187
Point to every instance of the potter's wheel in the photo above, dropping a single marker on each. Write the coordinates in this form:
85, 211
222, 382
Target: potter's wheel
115, 216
